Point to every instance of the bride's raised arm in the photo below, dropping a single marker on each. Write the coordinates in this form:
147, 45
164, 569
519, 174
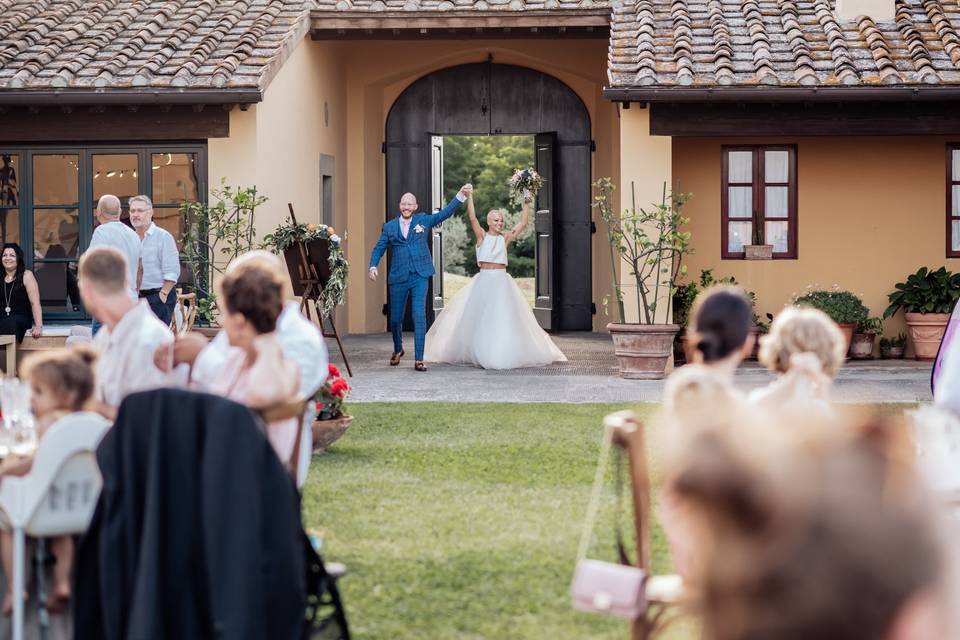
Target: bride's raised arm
472, 214
514, 233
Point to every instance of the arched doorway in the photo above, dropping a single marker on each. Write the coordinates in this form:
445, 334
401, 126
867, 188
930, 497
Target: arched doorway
493, 99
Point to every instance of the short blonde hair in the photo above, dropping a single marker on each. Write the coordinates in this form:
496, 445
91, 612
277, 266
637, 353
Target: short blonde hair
105, 269
803, 330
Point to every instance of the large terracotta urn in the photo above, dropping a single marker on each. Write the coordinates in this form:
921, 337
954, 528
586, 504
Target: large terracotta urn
643, 350
926, 332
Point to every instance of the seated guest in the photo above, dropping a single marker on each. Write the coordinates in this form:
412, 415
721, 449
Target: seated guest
823, 536
61, 382
720, 329
256, 372
21, 296
299, 338
806, 349
131, 333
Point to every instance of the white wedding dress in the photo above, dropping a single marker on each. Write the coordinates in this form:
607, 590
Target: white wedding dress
489, 323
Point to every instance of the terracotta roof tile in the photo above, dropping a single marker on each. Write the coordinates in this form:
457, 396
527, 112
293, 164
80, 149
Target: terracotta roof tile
719, 43
430, 6
118, 44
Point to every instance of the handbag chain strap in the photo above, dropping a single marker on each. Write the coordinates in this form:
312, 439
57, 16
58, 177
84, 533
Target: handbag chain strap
594, 505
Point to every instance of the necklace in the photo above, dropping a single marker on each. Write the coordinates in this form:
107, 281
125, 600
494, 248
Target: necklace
7, 294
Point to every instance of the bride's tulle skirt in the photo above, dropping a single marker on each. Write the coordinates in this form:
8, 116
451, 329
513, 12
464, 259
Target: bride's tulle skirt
490, 324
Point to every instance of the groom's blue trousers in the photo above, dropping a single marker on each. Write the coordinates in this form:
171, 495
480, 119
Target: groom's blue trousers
415, 287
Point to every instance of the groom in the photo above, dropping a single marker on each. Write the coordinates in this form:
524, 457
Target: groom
409, 236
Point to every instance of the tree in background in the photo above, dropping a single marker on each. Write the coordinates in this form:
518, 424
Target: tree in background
487, 162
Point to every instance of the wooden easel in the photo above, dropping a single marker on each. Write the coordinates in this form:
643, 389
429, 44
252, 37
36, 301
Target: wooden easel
312, 289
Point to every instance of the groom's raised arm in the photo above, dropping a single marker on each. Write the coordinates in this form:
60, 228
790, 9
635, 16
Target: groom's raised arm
436, 218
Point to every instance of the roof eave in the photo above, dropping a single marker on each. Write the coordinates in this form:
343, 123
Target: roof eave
132, 96
783, 94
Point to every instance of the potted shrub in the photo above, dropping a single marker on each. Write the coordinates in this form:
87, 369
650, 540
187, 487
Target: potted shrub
757, 250
652, 244
843, 307
893, 348
861, 348
927, 299
330, 422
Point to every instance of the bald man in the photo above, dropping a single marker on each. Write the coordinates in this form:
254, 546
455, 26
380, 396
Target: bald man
409, 238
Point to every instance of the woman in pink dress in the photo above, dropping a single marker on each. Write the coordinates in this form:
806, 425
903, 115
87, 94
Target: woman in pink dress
256, 372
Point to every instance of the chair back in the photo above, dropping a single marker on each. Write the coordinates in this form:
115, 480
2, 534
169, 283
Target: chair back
185, 313
59, 495
285, 411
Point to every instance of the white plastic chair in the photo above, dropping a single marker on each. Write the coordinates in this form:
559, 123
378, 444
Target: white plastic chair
58, 496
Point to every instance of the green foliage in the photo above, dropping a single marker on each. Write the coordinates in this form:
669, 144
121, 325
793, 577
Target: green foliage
650, 241
870, 326
925, 292
686, 294
457, 244
899, 341
284, 236
487, 162
216, 234
843, 307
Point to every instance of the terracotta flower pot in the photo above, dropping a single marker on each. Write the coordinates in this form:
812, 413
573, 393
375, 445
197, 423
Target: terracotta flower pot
862, 346
892, 353
326, 432
926, 332
847, 329
643, 349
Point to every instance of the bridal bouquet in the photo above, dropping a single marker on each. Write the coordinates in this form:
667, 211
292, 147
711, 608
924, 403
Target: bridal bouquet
524, 185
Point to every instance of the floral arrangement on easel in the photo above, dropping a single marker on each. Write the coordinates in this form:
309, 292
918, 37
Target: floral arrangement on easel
335, 290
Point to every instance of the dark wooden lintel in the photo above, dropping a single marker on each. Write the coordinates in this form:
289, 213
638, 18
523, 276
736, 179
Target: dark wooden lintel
113, 124
804, 119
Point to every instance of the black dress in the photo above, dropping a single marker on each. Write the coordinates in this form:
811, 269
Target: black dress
20, 317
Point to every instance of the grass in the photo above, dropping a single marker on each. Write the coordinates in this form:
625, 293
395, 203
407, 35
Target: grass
452, 283
462, 520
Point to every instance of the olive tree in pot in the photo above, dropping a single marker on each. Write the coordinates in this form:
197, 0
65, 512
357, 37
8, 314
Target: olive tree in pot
652, 245
927, 299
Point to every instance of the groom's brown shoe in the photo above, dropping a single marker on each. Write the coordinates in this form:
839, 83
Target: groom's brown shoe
395, 358
419, 366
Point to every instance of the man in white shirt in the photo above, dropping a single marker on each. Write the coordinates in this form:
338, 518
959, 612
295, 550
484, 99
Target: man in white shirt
159, 258
113, 233
131, 334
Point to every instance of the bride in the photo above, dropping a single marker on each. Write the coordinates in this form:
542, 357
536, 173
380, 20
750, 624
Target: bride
489, 322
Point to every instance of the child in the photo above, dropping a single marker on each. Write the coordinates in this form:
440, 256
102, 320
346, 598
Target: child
61, 382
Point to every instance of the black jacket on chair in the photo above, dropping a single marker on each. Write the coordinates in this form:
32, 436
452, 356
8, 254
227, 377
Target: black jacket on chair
197, 533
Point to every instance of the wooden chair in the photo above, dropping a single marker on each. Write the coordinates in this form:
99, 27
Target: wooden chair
285, 411
663, 592
187, 309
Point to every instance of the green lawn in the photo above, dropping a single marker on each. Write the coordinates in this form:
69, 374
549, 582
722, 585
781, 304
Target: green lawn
462, 520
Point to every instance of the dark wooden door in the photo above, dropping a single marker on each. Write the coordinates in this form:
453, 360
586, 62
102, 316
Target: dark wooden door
436, 203
491, 99
543, 228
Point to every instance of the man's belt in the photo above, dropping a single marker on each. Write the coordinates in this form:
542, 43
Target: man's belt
149, 292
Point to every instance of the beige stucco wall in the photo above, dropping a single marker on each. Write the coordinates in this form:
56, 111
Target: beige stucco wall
870, 212
645, 169
376, 74
276, 145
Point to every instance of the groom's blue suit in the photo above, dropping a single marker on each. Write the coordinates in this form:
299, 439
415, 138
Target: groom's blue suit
411, 267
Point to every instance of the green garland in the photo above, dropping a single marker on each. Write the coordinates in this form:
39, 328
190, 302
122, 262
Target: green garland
335, 292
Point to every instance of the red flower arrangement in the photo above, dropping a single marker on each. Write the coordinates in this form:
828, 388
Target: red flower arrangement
329, 400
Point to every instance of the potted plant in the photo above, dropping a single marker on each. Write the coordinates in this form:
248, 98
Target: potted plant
213, 236
330, 422
757, 250
652, 245
893, 348
927, 299
843, 307
760, 328
861, 348
324, 250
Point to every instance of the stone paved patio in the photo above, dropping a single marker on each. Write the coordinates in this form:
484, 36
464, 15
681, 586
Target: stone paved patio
590, 375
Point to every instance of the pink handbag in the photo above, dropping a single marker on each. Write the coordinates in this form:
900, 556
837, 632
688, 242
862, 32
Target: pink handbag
606, 587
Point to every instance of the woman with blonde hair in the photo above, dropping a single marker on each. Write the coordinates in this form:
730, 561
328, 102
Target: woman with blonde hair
805, 349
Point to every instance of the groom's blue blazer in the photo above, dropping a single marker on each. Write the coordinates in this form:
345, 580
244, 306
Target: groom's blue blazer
411, 255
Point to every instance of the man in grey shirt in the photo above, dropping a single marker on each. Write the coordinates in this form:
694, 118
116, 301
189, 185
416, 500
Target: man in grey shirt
113, 233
